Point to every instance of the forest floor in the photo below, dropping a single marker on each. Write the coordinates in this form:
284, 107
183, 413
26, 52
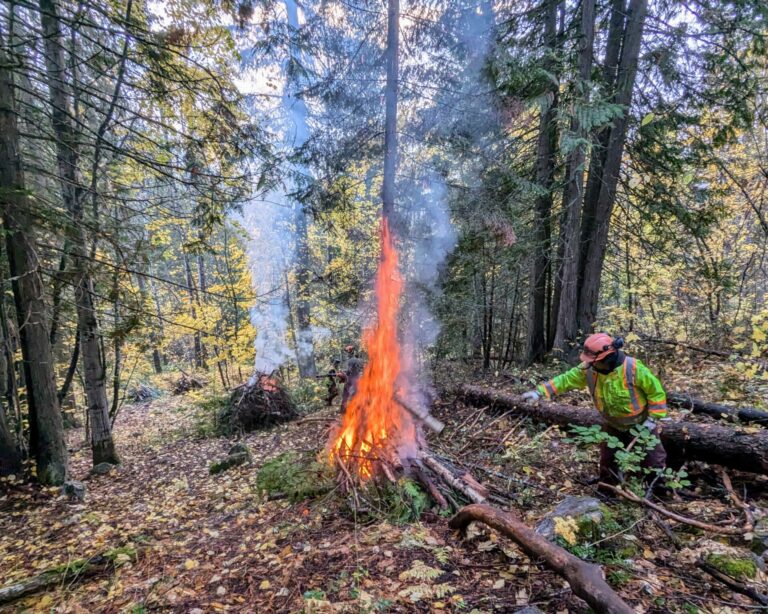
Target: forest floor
214, 543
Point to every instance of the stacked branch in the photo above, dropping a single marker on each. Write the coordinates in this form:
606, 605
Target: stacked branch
257, 405
709, 443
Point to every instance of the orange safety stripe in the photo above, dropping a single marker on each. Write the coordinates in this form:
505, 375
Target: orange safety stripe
630, 370
550, 388
592, 385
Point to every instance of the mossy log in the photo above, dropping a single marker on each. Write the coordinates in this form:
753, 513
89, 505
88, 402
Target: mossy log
71, 572
711, 443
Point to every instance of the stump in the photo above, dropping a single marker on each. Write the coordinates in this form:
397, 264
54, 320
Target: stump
259, 404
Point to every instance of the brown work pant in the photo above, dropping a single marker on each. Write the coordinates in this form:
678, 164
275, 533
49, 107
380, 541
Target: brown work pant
609, 471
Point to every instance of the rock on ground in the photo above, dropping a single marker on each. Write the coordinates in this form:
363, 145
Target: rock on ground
579, 508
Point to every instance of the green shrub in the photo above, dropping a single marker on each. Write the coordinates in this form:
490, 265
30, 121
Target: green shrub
402, 502
296, 476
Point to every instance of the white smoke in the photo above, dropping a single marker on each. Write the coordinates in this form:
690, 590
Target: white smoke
271, 220
431, 239
270, 253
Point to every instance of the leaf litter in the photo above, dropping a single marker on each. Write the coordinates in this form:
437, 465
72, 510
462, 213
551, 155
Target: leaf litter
216, 544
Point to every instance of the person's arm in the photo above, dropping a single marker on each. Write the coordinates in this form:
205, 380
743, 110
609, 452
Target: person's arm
654, 392
574, 379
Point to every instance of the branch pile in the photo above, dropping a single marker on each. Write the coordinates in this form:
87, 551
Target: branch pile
257, 405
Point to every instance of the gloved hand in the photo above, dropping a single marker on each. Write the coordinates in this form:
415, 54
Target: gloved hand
649, 424
531, 396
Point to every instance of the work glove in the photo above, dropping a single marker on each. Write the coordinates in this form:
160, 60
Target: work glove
531, 396
649, 424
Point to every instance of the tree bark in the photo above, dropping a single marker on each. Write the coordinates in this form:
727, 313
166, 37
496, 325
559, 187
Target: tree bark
586, 580
390, 118
46, 430
67, 155
536, 346
594, 256
600, 140
567, 328
193, 300
710, 443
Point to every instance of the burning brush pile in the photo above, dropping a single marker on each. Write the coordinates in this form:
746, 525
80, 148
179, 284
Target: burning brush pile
259, 404
380, 436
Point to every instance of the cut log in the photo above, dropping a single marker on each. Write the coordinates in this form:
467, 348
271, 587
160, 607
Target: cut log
586, 579
711, 443
697, 406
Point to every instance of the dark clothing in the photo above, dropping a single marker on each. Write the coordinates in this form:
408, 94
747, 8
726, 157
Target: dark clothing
655, 459
354, 370
333, 389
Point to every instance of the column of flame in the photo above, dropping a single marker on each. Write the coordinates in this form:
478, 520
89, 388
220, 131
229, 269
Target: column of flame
373, 421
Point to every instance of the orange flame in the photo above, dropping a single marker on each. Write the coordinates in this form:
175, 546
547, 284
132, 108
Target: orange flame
373, 421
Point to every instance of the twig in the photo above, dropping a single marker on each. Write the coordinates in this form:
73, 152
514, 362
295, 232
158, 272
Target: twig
665, 512
750, 519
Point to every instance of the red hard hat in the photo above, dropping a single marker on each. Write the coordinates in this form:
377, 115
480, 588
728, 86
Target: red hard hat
596, 347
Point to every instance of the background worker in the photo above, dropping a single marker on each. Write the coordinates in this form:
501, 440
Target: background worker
624, 392
353, 370
334, 376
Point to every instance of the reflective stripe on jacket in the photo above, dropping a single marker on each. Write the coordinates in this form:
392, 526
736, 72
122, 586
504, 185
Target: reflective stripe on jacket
626, 396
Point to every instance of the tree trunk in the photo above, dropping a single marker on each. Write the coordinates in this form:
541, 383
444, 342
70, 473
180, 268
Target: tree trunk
198, 342
390, 119
710, 443
592, 266
93, 364
566, 330
10, 453
586, 580
600, 140
157, 362
46, 430
545, 166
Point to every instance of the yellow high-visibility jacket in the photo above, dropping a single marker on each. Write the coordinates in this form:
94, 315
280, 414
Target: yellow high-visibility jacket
624, 397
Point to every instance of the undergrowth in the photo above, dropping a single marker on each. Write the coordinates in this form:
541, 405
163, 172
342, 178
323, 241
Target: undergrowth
295, 476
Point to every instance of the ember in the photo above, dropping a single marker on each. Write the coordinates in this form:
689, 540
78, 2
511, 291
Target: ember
375, 430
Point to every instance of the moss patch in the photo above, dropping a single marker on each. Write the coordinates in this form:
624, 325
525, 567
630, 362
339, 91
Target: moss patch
738, 568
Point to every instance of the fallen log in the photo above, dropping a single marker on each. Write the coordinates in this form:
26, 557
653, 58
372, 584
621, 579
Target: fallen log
586, 580
72, 572
715, 410
711, 443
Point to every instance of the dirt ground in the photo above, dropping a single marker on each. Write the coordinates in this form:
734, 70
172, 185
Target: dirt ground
215, 543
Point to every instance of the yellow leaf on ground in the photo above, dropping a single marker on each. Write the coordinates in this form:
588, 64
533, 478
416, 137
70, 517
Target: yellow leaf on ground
265, 584
191, 564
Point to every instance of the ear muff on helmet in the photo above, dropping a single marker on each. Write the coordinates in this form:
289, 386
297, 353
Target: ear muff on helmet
618, 343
